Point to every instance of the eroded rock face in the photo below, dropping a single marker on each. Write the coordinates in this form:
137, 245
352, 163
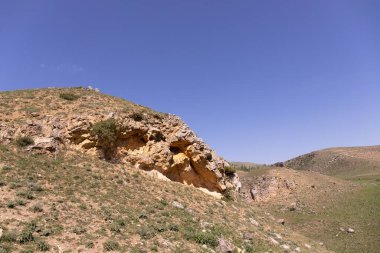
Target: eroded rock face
267, 187
165, 144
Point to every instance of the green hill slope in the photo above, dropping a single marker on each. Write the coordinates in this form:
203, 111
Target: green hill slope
350, 163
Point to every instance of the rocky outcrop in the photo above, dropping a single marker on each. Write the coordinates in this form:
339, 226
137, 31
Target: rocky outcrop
267, 187
160, 142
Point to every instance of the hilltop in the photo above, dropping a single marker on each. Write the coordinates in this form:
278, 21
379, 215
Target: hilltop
349, 162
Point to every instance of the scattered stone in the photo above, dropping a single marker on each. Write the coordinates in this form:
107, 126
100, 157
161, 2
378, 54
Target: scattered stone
285, 247
204, 224
225, 246
341, 229
293, 206
178, 205
273, 241
321, 243
278, 236
350, 230
253, 222
1, 232
281, 221
307, 246
248, 236
35, 114
298, 249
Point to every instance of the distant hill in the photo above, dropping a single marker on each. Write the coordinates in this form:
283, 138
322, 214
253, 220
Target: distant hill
348, 163
246, 166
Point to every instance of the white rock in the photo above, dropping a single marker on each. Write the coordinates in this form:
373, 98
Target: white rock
285, 247
253, 222
273, 241
307, 246
177, 205
350, 230
298, 249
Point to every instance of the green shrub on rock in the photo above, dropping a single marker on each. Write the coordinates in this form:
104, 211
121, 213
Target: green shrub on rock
24, 141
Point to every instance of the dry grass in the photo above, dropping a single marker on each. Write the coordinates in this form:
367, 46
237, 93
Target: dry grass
80, 202
324, 205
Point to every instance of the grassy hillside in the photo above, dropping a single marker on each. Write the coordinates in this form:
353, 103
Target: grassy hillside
319, 206
79, 203
336, 188
350, 163
70, 201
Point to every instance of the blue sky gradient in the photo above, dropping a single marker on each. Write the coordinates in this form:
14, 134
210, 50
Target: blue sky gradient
259, 81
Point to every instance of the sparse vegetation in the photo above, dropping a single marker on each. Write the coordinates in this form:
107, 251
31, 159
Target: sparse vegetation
114, 202
24, 141
229, 170
37, 208
42, 245
200, 237
68, 96
107, 131
137, 116
111, 245
26, 236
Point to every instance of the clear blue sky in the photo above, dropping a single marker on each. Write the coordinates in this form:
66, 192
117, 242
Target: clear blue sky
259, 81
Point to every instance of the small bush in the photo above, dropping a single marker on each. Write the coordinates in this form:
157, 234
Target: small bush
11, 204
106, 131
26, 236
35, 187
29, 195
37, 208
89, 245
26, 251
147, 232
202, 237
115, 228
79, 230
111, 245
137, 116
68, 96
20, 202
229, 170
24, 141
228, 194
2, 183
42, 245
14, 185
174, 227
8, 236
7, 168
